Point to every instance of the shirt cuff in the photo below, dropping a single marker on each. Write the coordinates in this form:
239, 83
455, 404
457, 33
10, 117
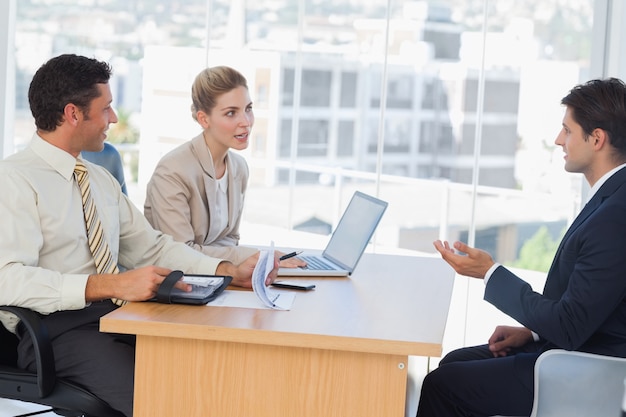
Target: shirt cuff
490, 272
535, 336
73, 291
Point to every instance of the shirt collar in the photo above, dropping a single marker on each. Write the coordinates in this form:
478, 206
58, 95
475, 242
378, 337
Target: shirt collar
57, 158
602, 180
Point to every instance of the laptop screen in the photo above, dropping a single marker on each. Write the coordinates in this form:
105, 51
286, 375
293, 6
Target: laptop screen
355, 229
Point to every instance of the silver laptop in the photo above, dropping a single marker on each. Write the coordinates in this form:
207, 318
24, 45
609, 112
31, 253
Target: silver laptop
348, 241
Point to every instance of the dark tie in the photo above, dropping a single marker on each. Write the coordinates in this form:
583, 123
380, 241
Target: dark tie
105, 264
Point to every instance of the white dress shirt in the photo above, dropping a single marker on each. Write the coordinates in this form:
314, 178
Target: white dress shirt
221, 209
44, 255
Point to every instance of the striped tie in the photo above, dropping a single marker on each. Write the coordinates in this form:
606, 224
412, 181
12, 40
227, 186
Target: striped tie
105, 264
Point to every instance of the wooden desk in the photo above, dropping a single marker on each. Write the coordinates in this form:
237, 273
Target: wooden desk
341, 350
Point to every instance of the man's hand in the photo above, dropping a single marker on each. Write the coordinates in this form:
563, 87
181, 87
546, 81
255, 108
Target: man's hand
504, 338
242, 273
134, 285
474, 264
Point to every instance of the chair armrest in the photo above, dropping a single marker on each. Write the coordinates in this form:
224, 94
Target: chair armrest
44, 356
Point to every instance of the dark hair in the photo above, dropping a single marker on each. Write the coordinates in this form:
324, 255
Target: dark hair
600, 104
63, 80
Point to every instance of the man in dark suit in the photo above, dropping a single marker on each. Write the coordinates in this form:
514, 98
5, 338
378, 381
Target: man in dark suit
583, 305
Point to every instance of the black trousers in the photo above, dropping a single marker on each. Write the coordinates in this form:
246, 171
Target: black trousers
102, 363
471, 382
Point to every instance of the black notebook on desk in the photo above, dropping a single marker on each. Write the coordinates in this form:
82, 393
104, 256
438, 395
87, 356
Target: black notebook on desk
204, 288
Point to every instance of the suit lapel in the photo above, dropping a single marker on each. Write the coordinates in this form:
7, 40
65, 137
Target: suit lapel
607, 189
203, 154
589, 208
207, 180
232, 189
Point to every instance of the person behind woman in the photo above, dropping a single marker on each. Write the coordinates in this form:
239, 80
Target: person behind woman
110, 158
196, 193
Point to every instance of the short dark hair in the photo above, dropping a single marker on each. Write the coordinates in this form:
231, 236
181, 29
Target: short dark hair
600, 103
63, 80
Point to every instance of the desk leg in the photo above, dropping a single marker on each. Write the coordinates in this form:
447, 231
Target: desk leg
184, 377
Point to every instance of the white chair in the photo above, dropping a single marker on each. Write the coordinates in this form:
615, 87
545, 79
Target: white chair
567, 384
417, 368
576, 384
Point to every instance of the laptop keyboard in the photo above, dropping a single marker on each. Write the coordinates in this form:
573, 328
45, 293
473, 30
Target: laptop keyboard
313, 262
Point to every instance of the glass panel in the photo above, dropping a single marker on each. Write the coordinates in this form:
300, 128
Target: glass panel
508, 104
339, 101
288, 86
316, 88
345, 141
348, 94
423, 85
313, 138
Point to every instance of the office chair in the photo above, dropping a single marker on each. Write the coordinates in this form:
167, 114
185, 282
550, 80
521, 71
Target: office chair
577, 384
43, 386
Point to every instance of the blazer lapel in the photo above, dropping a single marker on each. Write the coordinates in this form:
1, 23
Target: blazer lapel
607, 189
207, 180
204, 155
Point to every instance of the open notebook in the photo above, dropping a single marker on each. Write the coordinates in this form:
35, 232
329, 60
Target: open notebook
348, 241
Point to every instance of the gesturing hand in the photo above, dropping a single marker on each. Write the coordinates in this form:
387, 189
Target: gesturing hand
474, 264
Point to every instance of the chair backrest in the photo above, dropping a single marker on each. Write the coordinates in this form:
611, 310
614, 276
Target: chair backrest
577, 384
43, 387
8, 347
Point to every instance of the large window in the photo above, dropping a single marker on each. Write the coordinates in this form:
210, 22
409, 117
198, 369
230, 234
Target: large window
445, 109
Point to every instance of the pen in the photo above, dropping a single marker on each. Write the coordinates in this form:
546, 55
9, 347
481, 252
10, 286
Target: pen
289, 255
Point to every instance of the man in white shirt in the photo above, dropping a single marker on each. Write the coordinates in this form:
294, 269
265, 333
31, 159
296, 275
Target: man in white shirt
583, 304
45, 261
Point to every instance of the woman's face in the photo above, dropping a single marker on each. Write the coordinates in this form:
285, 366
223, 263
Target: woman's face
230, 122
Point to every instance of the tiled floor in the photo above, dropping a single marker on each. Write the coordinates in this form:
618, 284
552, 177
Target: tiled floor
10, 408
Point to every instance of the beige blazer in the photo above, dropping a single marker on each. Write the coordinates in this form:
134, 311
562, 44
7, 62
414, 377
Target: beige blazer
178, 202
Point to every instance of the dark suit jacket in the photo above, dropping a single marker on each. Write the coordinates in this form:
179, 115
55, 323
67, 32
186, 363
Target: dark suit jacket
583, 306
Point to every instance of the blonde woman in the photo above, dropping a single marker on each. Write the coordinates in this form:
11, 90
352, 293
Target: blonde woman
196, 193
